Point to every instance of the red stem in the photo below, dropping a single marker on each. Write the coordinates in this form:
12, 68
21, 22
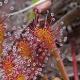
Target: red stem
74, 62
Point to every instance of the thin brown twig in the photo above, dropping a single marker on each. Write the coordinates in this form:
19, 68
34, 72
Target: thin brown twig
69, 17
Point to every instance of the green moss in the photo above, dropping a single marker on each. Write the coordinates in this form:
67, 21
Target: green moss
33, 1
31, 14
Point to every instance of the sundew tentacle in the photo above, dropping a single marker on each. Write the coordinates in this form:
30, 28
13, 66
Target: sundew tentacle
25, 51
28, 67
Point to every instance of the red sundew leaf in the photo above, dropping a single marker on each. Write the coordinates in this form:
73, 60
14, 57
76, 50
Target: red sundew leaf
8, 66
45, 36
25, 50
2, 32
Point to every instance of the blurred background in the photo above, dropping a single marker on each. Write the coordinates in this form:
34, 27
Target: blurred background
67, 21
